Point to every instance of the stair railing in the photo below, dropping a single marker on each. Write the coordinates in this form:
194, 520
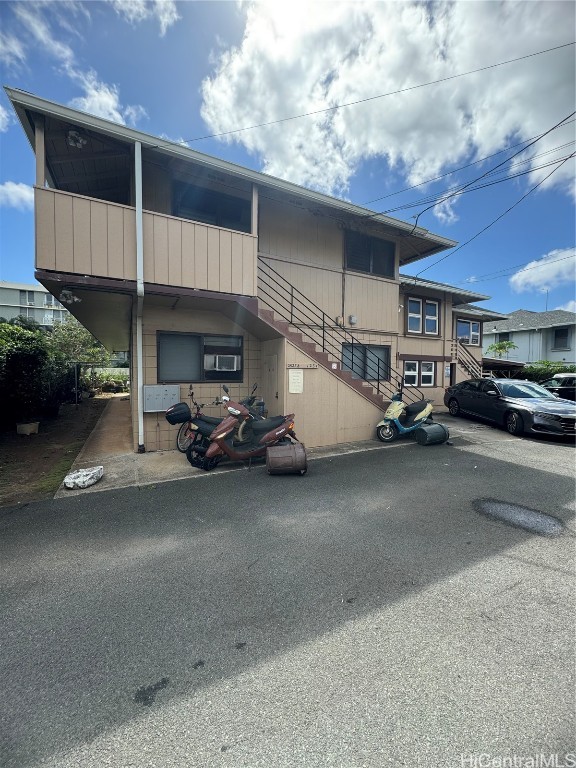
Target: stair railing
466, 359
315, 325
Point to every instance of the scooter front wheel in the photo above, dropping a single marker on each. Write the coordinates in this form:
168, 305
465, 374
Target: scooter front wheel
386, 432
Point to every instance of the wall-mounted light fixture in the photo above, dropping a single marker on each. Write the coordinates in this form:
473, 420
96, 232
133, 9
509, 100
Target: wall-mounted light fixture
352, 319
76, 140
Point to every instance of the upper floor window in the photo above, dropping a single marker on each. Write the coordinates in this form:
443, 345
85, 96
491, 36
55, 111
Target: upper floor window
503, 336
423, 316
188, 357
369, 254
210, 207
27, 298
561, 338
468, 332
48, 300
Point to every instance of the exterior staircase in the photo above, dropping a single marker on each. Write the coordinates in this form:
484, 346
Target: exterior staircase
465, 360
286, 309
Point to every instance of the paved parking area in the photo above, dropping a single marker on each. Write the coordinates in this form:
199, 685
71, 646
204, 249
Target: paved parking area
362, 615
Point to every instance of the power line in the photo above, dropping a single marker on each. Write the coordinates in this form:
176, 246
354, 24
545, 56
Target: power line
459, 248
455, 170
510, 270
435, 200
380, 96
473, 181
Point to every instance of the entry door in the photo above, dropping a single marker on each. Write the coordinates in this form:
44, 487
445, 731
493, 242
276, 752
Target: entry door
268, 389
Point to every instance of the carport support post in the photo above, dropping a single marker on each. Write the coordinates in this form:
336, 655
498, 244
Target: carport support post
139, 291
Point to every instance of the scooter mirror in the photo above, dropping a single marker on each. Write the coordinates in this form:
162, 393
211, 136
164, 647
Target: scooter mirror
225, 388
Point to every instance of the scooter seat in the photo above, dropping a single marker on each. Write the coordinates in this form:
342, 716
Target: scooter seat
414, 408
261, 427
206, 427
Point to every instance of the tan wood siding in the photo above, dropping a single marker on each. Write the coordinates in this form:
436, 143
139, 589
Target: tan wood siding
80, 235
192, 255
289, 233
83, 236
373, 301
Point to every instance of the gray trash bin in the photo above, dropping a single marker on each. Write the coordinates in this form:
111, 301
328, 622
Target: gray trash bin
431, 434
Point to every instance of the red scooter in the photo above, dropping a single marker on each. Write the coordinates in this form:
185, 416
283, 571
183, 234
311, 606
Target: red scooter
260, 435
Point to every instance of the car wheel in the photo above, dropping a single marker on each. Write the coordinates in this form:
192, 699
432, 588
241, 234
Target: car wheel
514, 423
453, 407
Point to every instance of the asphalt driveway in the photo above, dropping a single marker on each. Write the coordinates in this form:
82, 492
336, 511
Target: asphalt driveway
362, 615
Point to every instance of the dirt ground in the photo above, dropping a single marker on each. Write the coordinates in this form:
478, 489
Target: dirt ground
32, 467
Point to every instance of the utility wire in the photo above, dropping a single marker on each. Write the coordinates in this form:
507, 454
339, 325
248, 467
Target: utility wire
510, 270
380, 96
473, 181
455, 170
459, 248
436, 200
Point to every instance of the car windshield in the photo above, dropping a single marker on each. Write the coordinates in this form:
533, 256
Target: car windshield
523, 389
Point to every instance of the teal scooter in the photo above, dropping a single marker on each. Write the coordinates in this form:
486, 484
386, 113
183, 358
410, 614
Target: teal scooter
401, 419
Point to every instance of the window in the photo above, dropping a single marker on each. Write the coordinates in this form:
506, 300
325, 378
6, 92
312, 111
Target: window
503, 336
188, 357
561, 338
468, 332
423, 316
369, 254
27, 297
369, 362
419, 373
210, 207
48, 300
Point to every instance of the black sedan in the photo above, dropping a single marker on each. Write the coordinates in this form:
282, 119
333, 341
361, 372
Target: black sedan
518, 406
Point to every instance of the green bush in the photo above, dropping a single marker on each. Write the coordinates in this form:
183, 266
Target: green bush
545, 369
24, 359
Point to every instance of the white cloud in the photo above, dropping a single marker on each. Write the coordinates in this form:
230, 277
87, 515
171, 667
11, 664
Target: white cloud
32, 18
99, 98
136, 11
297, 58
570, 306
5, 119
103, 100
555, 268
11, 50
16, 195
444, 210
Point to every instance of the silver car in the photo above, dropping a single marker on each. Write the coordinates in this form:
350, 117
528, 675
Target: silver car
518, 406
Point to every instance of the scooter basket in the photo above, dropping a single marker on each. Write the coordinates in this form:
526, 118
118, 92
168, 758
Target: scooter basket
178, 414
431, 434
288, 459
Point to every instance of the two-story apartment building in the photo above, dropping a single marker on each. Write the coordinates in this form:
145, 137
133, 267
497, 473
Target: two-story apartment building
210, 273
538, 336
32, 301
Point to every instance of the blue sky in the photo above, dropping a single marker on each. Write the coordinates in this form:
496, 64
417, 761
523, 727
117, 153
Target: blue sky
187, 70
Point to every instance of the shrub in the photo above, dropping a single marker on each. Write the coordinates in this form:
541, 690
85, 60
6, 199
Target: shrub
545, 369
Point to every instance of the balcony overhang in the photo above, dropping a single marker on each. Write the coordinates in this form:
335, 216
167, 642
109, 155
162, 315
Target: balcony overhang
104, 306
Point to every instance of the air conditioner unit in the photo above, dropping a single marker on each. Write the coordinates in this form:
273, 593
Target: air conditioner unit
226, 363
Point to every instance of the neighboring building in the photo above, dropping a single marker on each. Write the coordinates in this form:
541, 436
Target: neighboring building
538, 335
32, 301
210, 273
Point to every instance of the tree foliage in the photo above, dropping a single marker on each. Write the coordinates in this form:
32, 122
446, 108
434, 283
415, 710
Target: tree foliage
501, 348
72, 343
36, 366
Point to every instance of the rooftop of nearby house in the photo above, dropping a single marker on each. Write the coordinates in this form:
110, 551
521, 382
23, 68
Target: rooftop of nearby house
525, 320
108, 143
23, 286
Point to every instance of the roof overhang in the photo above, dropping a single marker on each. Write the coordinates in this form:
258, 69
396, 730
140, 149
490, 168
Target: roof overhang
414, 242
459, 295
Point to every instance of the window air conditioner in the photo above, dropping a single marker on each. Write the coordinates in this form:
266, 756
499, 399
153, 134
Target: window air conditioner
226, 362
